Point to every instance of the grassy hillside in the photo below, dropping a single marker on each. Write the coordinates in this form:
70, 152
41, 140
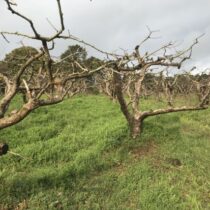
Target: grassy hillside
78, 155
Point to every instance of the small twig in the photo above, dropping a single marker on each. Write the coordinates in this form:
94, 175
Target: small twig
52, 25
16, 154
5, 38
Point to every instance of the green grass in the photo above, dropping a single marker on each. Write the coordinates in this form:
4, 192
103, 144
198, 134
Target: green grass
78, 155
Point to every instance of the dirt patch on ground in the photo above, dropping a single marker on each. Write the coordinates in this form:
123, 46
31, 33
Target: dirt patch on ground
145, 150
148, 149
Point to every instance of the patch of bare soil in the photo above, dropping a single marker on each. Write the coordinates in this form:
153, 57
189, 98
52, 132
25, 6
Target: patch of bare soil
146, 150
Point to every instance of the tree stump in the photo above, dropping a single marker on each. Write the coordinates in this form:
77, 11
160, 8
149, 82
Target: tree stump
3, 148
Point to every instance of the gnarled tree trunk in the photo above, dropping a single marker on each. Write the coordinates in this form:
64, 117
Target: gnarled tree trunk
134, 75
136, 126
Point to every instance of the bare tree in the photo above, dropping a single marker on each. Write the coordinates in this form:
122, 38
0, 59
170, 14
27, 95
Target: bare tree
104, 83
38, 82
131, 70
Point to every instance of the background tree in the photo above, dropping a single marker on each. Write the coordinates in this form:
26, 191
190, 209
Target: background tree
93, 82
17, 57
74, 60
74, 55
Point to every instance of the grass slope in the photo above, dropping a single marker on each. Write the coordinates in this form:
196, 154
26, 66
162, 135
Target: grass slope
79, 156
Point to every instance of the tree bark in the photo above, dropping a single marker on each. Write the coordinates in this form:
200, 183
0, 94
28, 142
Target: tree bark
18, 116
136, 127
119, 93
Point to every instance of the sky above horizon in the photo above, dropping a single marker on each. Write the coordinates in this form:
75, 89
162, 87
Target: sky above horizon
114, 25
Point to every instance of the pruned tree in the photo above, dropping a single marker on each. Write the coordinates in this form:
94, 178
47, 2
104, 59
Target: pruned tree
74, 60
104, 83
200, 85
131, 70
17, 57
34, 73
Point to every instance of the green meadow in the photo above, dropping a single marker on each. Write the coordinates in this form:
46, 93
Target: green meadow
78, 155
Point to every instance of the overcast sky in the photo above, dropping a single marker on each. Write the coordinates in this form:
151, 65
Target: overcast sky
114, 24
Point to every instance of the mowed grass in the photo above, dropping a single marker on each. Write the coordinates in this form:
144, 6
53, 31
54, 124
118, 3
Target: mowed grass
78, 155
